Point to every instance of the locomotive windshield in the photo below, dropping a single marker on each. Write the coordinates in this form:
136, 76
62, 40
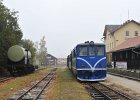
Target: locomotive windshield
100, 51
96, 51
92, 51
83, 51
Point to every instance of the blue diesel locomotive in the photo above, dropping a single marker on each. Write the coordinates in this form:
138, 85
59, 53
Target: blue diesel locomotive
87, 61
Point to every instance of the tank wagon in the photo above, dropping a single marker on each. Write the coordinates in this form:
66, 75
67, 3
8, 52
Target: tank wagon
19, 60
87, 61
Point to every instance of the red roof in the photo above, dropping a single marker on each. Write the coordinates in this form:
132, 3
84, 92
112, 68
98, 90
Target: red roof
132, 42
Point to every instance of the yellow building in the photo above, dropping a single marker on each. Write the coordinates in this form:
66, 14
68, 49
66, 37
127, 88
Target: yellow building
114, 35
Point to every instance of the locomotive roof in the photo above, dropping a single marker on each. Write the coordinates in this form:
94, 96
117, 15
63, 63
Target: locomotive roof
86, 44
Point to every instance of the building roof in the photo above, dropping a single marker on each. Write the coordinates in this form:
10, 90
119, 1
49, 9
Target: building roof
111, 28
114, 28
130, 43
49, 55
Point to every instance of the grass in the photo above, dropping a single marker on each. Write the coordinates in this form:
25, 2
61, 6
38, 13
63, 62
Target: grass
10, 87
66, 87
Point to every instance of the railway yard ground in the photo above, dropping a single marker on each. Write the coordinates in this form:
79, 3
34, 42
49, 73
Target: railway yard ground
65, 86
128, 86
9, 87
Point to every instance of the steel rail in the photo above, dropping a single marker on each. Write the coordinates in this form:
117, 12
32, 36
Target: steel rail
44, 87
128, 77
120, 93
106, 97
6, 79
106, 94
20, 97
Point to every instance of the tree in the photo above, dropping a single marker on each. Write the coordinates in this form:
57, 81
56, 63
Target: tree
42, 51
29, 45
10, 33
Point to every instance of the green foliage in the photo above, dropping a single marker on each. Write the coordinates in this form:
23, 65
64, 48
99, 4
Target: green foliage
42, 51
29, 45
10, 33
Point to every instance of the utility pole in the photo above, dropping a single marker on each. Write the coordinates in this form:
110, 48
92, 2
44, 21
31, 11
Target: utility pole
128, 14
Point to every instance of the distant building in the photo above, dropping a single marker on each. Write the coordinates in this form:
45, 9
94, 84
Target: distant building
114, 35
51, 60
62, 61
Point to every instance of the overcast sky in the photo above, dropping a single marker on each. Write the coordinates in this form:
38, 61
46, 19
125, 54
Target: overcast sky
66, 23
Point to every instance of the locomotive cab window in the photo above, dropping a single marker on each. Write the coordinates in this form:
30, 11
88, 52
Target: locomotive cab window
83, 51
92, 51
74, 53
100, 51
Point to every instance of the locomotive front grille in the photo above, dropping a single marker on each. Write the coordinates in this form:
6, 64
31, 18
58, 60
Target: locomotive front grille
88, 74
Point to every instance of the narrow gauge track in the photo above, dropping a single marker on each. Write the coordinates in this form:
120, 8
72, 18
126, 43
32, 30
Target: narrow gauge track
132, 78
34, 92
3, 79
102, 92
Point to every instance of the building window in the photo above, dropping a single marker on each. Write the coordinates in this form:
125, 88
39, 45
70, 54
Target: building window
121, 56
132, 56
127, 33
126, 55
136, 33
108, 46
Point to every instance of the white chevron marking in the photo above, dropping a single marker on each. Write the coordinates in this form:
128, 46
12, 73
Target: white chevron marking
92, 68
85, 61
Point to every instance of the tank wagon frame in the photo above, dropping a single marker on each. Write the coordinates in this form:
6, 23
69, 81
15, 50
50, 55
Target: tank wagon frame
19, 61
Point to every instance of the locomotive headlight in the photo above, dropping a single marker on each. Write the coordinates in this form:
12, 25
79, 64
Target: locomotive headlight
101, 65
83, 65
83, 71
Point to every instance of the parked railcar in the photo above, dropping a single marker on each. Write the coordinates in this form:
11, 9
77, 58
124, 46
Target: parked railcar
69, 58
88, 61
19, 60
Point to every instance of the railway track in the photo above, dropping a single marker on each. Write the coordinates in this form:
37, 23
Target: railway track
3, 79
102, 92
132, 78
35, 91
